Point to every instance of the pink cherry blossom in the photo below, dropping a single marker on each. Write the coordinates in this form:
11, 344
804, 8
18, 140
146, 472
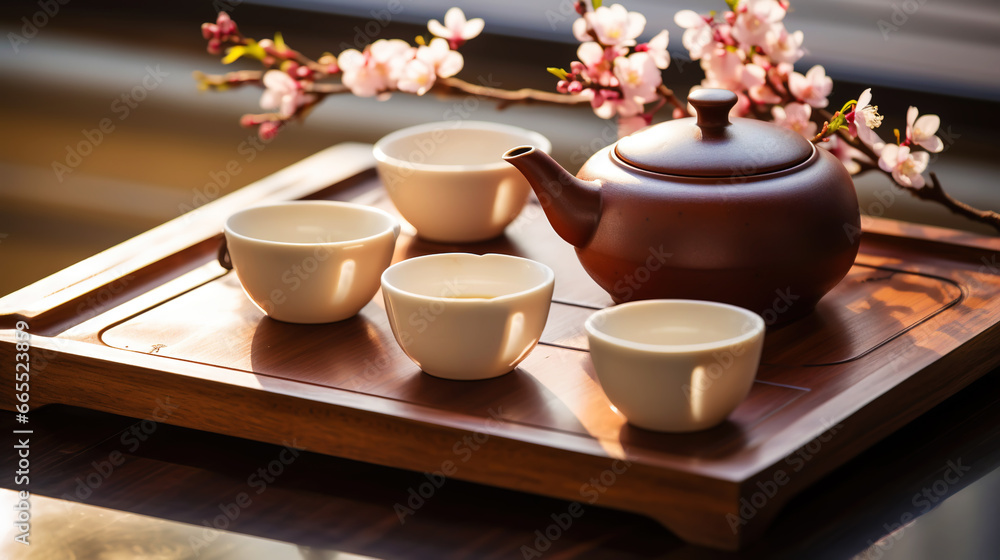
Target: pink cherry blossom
609, 103
782, 46
389, 56
360, 73
657, 48
456, 29
283, 93
598, 62
847, 154
754, 79
697, 32
921, 131
628, 125
862, 121
906, 167
795, 116
378, 69
639, 77
614, 26
417, 77
755, 19
813, 88
742, 107
723, 69
443, 60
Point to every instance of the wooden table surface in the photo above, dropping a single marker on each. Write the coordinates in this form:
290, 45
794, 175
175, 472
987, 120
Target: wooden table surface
78, 456
89, 467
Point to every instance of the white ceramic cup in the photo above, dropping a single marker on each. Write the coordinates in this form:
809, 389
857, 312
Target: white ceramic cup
675, 365
463, 316
449, 180
311, 261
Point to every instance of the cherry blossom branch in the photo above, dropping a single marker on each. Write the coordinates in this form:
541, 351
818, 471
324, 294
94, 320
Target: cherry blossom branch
745, 49
669, 96
933, 192
443, 86
505, 97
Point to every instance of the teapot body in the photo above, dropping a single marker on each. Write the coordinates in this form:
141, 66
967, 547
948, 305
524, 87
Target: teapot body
773, 243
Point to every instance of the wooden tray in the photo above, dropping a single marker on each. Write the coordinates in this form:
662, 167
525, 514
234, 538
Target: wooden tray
156, 321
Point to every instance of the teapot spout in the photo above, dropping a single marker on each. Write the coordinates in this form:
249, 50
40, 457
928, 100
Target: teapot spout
573, 206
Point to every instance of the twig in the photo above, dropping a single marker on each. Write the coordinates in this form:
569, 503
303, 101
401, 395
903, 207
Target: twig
669, 95
933, 191
822, 132
229, 79
936, 193
457, 86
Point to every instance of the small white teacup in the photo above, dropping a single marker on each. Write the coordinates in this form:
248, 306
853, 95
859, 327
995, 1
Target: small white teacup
449, 180
311, 261
675, 365
463, 316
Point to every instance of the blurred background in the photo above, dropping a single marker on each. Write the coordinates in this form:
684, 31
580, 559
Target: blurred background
69, 189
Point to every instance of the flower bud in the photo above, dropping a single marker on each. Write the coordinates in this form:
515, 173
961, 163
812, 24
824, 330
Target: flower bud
268, 130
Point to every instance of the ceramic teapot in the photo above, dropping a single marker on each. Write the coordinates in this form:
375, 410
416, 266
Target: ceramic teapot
733, 210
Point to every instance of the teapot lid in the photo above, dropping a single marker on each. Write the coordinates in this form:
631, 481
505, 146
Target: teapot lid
711, 145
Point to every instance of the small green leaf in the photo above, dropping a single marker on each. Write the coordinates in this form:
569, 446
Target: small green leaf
558, 72
279, 42
597, 4
732, 4
255, 50
250, 49
234, 53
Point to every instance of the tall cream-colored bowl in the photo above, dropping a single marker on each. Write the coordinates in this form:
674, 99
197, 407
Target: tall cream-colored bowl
448, 179
675, 365
463, 316
311, 261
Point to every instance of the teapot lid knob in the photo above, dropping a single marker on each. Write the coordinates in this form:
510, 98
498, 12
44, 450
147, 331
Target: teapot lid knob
712, 106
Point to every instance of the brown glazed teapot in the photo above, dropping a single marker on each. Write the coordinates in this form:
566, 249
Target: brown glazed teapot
740, 211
